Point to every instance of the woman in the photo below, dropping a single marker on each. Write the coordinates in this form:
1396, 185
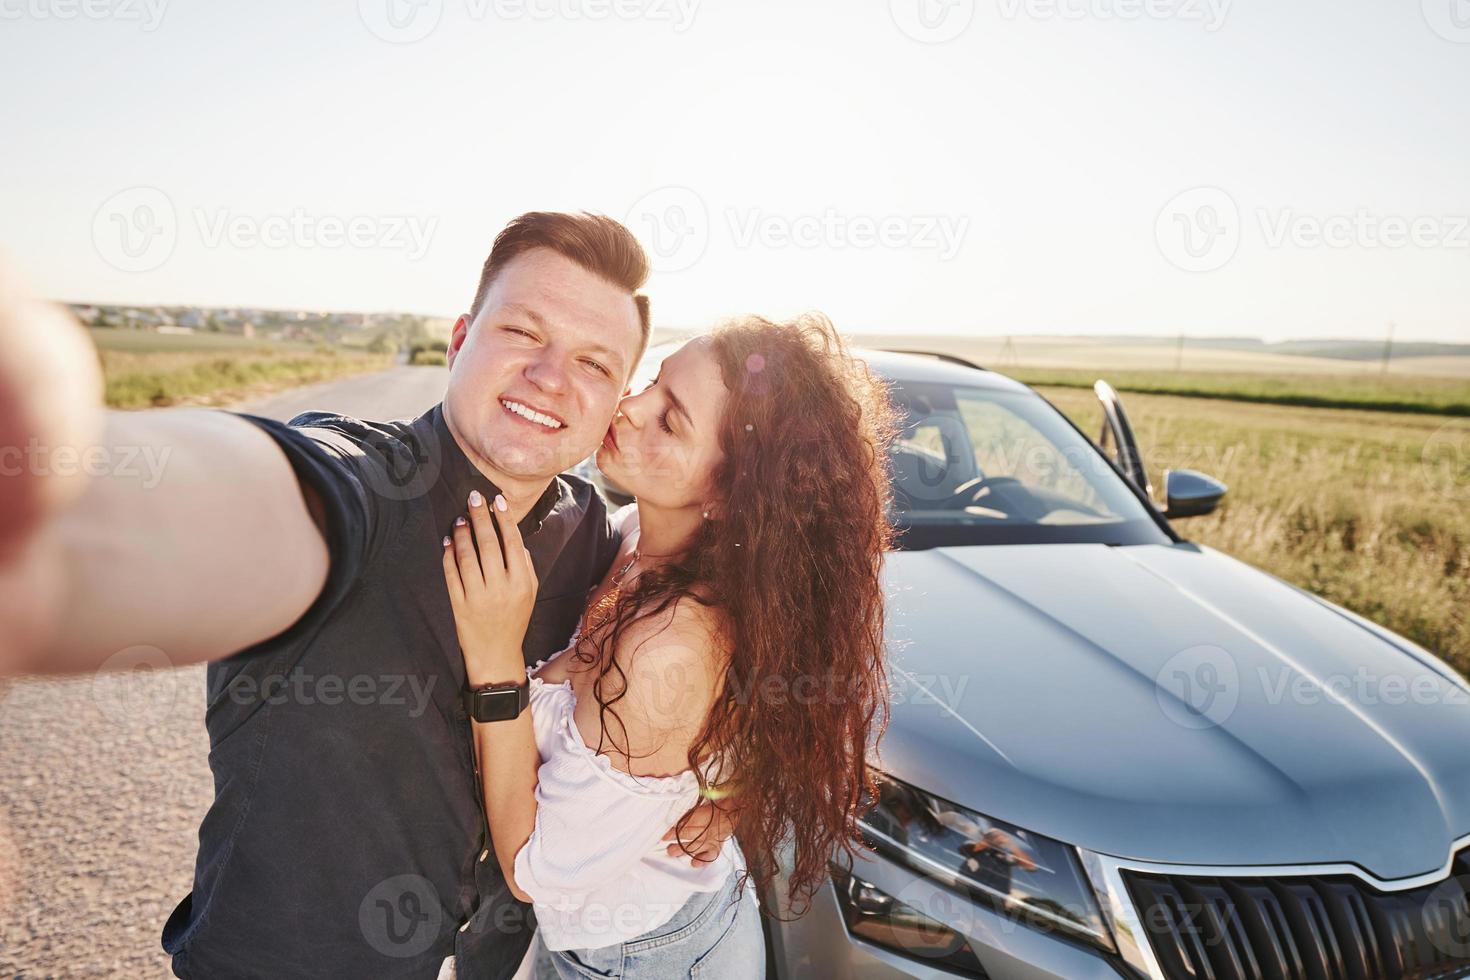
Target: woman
733, 654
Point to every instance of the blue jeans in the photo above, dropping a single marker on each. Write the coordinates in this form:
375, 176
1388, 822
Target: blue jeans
715, 936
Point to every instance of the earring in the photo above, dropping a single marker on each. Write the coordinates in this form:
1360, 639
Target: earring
706, 514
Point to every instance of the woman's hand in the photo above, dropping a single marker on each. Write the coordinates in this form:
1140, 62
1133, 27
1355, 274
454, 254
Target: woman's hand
492, 589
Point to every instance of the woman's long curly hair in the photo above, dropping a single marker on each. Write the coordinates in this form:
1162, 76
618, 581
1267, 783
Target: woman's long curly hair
792, 566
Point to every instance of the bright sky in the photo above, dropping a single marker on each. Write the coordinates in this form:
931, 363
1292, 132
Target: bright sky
1257, 167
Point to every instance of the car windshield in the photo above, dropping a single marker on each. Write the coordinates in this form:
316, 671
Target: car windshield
981, 465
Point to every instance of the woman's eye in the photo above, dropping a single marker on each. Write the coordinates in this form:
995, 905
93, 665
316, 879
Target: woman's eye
663, 421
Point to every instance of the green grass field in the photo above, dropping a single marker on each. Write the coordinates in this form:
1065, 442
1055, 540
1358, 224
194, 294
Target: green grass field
1393, 393
1431, 385
1370, 510
142, 369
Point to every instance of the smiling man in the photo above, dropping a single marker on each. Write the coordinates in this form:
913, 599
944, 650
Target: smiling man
347, 837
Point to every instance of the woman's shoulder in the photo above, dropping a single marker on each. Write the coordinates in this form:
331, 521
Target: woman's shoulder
669, 669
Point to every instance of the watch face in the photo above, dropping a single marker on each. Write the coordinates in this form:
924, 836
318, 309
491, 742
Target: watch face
502, 705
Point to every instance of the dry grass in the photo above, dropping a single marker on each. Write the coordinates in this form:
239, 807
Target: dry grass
143, 369
1370, 510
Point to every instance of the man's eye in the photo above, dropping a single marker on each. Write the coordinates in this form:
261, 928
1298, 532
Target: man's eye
599, 367
523, 333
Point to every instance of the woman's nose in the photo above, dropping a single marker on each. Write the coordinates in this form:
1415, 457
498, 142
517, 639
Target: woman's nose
634, 408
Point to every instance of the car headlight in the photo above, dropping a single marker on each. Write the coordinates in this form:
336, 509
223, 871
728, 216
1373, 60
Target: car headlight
1029, 878
877, 917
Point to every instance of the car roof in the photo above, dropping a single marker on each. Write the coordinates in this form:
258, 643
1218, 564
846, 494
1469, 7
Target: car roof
922, 366
898, 366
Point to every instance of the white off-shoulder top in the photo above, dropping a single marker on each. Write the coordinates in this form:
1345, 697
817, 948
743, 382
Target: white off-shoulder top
595, 866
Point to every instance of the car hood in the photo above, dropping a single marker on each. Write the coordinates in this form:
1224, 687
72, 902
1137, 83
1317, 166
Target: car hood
1169, 703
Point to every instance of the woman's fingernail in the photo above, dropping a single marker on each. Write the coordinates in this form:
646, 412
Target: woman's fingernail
475, 498
446, 541
500, 503
459, 521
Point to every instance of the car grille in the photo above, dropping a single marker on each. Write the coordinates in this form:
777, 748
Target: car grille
1305, 927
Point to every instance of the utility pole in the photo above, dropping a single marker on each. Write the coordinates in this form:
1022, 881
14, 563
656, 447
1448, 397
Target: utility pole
1179, 354
1387, 349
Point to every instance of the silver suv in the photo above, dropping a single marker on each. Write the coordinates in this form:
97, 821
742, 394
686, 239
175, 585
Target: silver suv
1114, 752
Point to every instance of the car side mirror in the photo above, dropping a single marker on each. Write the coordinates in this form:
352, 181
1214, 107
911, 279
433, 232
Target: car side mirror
1191, 493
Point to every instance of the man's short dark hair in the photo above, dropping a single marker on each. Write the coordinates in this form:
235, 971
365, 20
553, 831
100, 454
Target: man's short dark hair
596, 242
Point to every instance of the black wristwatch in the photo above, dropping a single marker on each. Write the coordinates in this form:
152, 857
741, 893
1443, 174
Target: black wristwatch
497, 702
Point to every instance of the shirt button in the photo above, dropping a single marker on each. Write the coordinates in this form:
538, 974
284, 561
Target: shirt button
484, 854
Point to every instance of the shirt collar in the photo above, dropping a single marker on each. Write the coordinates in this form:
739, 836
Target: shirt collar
458, 475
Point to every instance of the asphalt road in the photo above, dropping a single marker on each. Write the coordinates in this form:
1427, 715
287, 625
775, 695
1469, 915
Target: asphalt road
104, 778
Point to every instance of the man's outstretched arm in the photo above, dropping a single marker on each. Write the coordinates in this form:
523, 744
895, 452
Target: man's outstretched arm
185, 530
220, 554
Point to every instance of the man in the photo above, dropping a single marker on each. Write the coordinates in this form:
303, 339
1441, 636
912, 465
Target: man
346, 838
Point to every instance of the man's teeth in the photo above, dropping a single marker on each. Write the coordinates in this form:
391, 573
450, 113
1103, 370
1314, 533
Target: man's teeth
530, 413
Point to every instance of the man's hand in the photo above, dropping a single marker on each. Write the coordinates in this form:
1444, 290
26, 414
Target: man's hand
207, 553
703, 835
50, 401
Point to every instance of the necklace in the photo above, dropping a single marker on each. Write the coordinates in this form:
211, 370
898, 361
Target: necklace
617, 579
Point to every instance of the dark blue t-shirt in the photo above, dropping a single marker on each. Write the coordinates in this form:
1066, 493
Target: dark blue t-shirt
347, 835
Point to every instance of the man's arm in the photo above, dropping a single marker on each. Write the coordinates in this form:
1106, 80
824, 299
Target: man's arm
183, 530
203, 547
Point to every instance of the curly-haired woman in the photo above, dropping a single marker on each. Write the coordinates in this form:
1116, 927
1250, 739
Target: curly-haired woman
734, 653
